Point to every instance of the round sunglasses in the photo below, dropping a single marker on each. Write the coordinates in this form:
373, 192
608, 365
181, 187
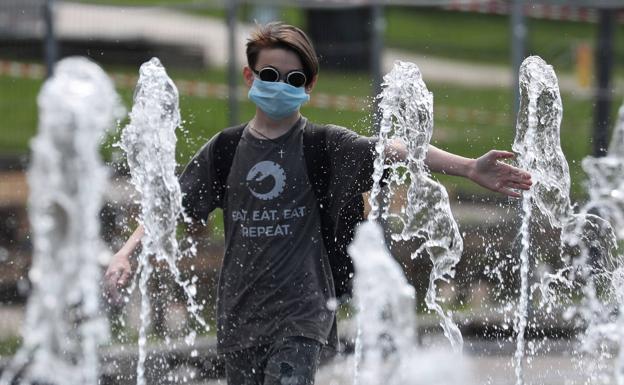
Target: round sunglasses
295, 78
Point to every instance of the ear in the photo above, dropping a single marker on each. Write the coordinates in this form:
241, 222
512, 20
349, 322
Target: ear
310, 86
248, 76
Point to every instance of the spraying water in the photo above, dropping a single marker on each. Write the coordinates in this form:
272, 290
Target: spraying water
387, 352
606, 199
606, 180
385, 303
149, 142
615, 329
547, 207
539, 152
67, 179
407, 115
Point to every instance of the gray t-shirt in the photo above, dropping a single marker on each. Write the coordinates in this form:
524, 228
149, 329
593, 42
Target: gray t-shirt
275, 280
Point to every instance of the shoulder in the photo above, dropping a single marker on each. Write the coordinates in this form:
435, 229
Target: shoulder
342, 137
335, 133
229, 136
223, 141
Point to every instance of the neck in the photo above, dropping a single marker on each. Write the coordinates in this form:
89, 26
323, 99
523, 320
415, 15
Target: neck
273, 128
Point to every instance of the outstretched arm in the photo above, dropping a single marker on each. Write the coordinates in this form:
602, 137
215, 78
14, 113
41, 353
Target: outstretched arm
119, 270
487, 170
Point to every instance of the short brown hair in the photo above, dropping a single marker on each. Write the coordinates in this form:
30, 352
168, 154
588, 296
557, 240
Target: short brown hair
281, 35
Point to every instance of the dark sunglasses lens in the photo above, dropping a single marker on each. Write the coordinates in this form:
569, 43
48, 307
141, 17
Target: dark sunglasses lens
269, 74
296, 79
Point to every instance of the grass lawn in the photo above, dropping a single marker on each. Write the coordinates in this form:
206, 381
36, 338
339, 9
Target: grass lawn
486, 38
205, 117
9, 346
18, 108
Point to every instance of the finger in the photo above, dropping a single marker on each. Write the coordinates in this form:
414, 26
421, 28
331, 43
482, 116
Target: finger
515, 172
123, 278
109, 274
517, 186
114, 298
111, 294
509, 192
520, 177
498, 154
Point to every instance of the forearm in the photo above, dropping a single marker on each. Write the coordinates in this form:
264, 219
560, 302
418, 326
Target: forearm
133, 242
120, 269
447, 163
436, 159
489, 170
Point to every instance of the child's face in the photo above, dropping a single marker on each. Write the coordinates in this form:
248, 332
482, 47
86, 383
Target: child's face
282, 60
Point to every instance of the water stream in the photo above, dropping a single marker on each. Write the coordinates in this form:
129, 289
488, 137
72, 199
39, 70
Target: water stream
386, 350
386, 305
406, 109
559, 248
149, 141
606, 180
67, 179
605, 187
539, 151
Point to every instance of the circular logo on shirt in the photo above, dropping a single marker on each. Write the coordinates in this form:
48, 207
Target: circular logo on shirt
266, 180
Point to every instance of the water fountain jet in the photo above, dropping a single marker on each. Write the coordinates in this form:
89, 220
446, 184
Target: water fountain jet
64, 325
149, 142
548, 206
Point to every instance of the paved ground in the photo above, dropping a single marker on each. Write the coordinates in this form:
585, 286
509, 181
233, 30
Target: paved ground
470, 370
483, 363
11, 320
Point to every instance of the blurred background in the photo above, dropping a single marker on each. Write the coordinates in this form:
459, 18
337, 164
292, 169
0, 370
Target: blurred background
468, 51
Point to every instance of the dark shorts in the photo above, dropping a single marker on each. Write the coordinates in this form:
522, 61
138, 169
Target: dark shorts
291, 361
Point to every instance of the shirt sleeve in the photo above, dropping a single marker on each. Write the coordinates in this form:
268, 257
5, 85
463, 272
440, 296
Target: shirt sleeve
197, 182
352, 164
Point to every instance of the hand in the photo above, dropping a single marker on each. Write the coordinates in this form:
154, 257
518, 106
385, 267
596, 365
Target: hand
116, 278
498, 176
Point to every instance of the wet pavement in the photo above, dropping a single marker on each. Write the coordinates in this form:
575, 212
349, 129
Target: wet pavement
474, 370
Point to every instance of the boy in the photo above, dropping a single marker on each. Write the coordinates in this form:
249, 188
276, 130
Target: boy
275, 282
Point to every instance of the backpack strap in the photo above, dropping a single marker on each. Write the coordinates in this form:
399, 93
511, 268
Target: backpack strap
225, 149
317, 159
337, 232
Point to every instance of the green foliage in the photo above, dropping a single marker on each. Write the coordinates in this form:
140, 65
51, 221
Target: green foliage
448, 34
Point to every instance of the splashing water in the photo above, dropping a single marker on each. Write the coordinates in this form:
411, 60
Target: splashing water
539, 152
606, 180
406, 109
149, 142
386, 352
67, 179
385, 303
615, 329
547, 206
606, 198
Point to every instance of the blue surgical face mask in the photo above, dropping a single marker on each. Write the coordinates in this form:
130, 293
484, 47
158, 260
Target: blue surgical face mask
277, 99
